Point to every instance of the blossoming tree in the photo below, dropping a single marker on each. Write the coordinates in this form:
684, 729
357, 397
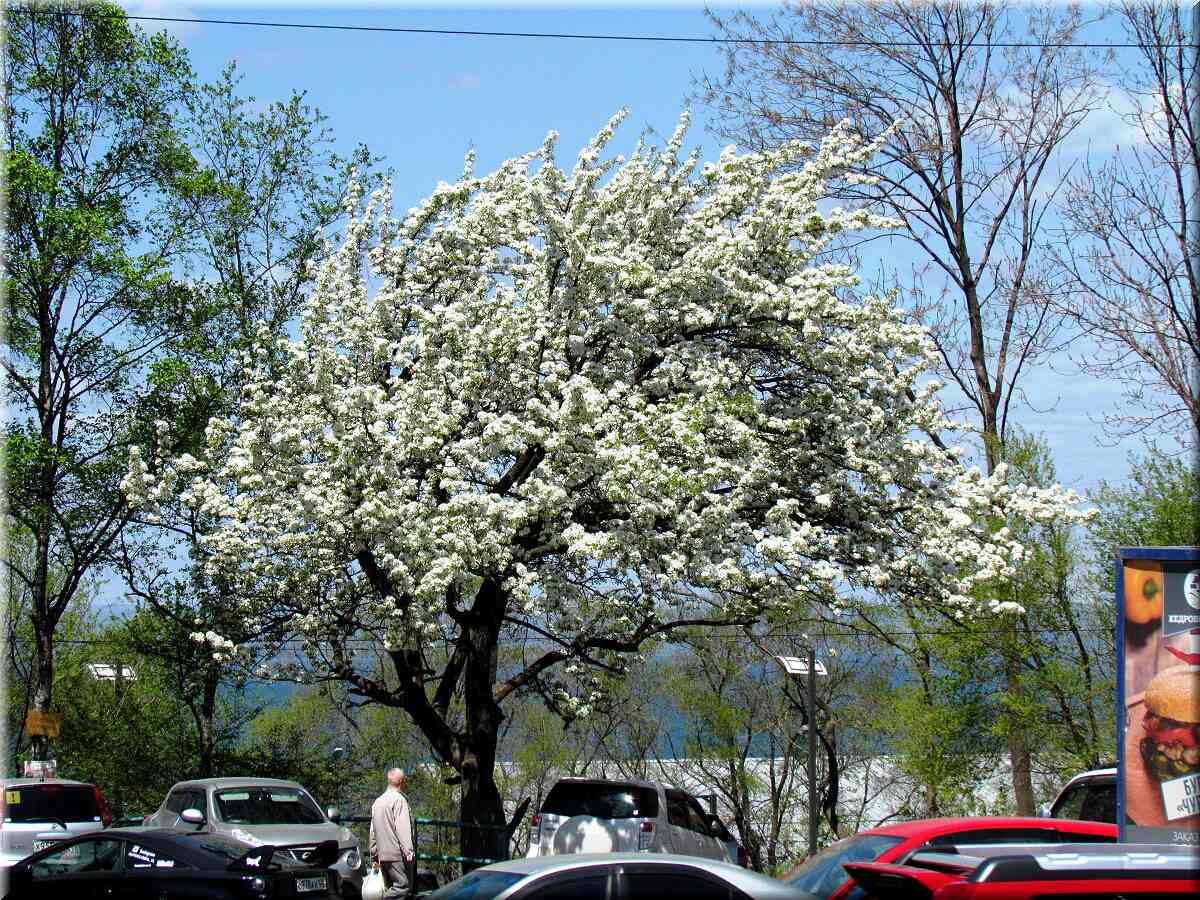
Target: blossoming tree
571, 411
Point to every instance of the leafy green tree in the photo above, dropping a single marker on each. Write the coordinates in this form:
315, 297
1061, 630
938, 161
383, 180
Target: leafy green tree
91, 152
264, 186
1156, 507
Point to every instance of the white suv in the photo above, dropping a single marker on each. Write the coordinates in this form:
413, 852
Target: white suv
591, 815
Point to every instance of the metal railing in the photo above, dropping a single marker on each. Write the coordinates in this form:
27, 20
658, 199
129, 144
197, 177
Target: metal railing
434, 841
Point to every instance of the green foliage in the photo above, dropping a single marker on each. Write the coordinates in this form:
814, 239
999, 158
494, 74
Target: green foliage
1156, 507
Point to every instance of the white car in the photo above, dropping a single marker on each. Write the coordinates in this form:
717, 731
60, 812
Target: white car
39, 813
1090, 796
592, 815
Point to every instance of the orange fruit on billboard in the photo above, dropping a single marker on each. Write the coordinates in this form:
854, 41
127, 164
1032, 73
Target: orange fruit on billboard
1143, 590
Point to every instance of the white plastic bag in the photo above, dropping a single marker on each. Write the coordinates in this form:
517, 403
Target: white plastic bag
373, 885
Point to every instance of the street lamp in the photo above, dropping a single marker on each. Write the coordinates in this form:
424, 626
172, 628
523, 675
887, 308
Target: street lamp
798, 667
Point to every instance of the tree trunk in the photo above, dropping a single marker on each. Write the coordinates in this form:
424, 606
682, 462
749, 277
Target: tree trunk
204, 722
480, 804
43, 679
1018, 746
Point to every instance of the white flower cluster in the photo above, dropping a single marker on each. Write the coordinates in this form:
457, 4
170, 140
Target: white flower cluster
222, 648
607, 396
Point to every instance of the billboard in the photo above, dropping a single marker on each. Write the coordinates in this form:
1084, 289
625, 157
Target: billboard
1158, 694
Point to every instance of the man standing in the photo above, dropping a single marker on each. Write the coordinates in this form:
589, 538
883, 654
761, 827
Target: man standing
391, 835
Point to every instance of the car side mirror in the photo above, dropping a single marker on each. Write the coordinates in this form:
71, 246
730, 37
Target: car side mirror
1044, 812
333, 814
192, 816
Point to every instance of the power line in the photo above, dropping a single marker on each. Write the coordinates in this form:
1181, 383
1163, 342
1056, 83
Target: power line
367, 643
592, 36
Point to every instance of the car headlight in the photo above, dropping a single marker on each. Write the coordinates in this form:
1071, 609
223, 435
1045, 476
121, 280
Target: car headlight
352, 859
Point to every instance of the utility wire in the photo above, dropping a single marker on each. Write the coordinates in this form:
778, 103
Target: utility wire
808, 636
586, 36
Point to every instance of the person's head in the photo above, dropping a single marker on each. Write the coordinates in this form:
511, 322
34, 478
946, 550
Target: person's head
396, 778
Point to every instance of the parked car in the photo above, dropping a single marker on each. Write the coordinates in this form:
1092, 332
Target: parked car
1091, 796
38, 813
616, 876
824, 876
262, 811
1080, 870
131, 864
595, 815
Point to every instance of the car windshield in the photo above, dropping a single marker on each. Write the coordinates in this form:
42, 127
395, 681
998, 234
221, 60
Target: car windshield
49, 802
604, 801
478, 885
267, 806
823, 874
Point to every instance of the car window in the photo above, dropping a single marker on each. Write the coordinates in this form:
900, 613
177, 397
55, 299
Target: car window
719, 830
1071, 803
674, 881
480, 885
1100, 805
267, 806
47, 802
997, 836
139, 856
604, 801
823, 874
82, 856
175, 801
697, 818
585, 887
195, 800
677, 809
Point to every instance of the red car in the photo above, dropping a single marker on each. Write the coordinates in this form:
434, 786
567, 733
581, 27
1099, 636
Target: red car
1079, 870
824, 876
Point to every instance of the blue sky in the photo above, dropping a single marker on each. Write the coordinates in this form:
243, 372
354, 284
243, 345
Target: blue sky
420, 101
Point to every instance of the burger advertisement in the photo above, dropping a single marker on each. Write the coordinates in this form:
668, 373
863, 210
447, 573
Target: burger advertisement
1158, 599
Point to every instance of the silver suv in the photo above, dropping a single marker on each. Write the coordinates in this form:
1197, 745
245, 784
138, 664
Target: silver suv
38, 813
262, 811
592, 815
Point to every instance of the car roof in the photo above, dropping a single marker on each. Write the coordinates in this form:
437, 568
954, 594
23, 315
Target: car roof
34, 782
637, 782
753, 883
1094, 773
237, 781
927, 828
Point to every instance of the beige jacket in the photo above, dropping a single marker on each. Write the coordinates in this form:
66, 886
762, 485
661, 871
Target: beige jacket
391, 827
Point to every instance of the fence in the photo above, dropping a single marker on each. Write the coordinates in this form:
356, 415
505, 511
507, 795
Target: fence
439, 843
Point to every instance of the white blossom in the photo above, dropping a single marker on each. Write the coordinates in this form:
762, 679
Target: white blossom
630, 391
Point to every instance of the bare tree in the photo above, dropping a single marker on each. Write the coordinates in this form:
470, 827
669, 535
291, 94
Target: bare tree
980, 99
1128, 244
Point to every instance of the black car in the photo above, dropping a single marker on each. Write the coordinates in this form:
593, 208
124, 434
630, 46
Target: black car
153, 864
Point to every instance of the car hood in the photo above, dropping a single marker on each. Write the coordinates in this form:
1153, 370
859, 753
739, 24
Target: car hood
282, 835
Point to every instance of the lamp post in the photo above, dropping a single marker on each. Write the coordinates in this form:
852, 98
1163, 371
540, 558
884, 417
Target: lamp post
338, 753
797, 667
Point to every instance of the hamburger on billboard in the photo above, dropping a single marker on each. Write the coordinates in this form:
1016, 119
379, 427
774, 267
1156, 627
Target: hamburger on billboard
1158, 602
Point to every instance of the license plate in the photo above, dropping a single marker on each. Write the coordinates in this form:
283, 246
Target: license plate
42, 845
307, 885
